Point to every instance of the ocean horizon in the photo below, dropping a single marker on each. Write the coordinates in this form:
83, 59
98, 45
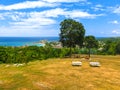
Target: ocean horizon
23, 41
29, 41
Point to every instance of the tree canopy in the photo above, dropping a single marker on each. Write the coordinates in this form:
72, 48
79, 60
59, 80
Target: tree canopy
90, 42
71, 33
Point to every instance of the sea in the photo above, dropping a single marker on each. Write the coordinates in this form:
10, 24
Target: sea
23, 41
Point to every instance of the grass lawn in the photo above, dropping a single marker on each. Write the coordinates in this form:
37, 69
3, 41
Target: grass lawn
59, 74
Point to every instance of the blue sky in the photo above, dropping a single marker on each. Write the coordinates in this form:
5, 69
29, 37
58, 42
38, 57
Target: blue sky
38, 18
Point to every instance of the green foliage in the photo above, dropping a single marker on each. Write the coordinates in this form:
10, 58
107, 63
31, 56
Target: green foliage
111, 47
30, 53
90, 42
71, 33
117, 48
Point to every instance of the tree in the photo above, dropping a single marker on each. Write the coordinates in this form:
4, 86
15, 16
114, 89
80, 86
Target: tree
118, 48
90, 42
71, 33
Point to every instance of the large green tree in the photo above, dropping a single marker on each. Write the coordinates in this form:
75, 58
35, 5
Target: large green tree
90, 42
71, 33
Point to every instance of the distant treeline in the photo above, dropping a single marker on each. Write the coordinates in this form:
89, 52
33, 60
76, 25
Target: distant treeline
109, 46
108, 38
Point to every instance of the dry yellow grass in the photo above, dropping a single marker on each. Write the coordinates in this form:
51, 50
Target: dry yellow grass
59, 74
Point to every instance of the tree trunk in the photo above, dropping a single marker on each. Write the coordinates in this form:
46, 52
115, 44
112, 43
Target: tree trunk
70, 52
89, 53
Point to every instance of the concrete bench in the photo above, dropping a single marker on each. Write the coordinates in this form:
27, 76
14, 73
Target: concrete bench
76, 63
95, 64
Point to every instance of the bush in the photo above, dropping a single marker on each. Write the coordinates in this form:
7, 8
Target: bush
30, 53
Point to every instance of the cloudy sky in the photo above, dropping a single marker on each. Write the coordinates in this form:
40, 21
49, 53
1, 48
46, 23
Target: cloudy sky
38, 18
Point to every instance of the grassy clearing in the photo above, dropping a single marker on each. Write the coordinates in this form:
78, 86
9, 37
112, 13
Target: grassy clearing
59, 74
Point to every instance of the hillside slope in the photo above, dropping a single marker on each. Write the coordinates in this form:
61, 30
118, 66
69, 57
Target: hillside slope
59, 74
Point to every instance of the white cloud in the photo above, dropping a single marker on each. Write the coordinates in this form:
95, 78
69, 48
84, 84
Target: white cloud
117, 10
39, 23
81, 14
15, 16
49, 13
1, 17
41, 20
33, 22
27, 24
114, 22
98, 7
18, 32
64, 12
66, 1
113, 33
52, 13
27, 4
116, 32
37, 4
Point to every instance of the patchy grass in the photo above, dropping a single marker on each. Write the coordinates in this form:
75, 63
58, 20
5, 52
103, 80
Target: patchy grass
59, 74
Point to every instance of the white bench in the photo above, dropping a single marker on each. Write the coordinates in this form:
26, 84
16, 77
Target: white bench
95, 64
76, 63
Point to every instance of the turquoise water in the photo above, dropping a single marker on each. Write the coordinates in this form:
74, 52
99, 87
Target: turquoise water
23, 41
